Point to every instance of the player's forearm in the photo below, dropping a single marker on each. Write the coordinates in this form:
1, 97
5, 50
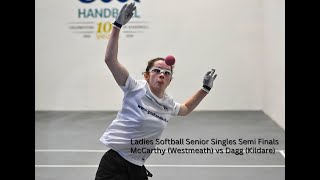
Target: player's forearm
112, 47
194, 100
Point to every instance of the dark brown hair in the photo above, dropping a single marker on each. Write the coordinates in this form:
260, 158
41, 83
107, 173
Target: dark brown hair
151, 63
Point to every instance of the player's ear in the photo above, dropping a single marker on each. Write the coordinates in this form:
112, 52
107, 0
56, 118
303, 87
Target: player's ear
146, 76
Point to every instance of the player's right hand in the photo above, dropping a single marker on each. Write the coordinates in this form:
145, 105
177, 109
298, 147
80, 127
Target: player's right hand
125, 14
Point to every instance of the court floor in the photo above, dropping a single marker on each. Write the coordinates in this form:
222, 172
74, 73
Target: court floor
241, 145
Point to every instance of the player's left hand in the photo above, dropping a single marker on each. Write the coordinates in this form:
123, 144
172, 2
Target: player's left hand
208, 79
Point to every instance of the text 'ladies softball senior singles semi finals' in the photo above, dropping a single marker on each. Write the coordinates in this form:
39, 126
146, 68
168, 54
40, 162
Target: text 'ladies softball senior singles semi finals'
205, 146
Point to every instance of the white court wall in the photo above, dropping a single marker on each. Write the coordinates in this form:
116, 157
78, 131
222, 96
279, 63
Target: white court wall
228, 35
274, 64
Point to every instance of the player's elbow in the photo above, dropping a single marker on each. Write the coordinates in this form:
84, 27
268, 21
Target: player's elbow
111, 63
184, 110
108, 60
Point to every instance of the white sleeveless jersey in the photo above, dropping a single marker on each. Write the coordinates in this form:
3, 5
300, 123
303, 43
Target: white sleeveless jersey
143, 116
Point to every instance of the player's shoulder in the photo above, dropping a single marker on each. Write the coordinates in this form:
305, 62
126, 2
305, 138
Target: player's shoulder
137, 83
168, 98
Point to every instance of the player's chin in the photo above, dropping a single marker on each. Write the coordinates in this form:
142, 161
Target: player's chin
161, 86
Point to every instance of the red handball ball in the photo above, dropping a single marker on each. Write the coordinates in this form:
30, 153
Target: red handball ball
170, 60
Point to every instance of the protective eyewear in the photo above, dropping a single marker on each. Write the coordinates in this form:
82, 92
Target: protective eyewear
158, 70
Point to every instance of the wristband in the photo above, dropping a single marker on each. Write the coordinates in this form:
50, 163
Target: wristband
117, 25
206, 88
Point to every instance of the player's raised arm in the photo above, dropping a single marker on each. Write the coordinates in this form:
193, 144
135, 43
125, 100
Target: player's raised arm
119, 72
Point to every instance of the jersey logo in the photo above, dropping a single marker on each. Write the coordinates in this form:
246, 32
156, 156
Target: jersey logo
152, 113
